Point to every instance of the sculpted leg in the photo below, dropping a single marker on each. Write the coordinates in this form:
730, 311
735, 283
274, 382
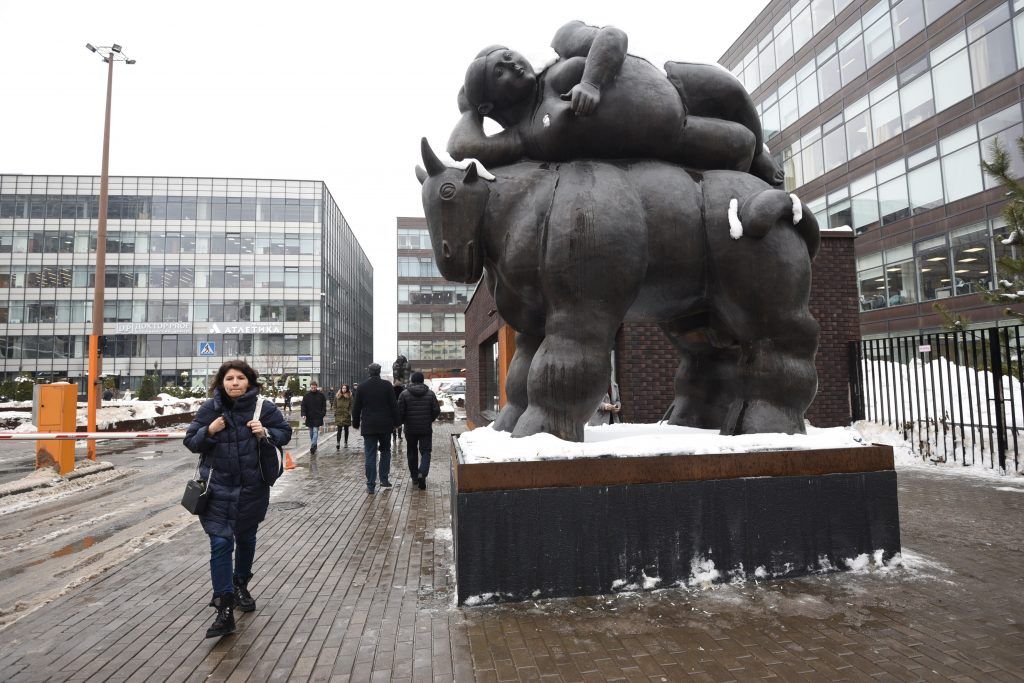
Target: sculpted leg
515, 382
705, 382
568, 376
714, 143
779, 378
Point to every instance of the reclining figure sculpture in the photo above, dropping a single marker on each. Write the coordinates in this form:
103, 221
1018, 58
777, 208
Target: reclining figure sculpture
584, 228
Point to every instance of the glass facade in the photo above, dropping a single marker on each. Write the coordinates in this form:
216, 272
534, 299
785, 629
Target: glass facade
880, 112
198, 270
431, 310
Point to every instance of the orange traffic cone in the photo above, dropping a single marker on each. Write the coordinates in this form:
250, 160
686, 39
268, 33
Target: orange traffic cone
289, 464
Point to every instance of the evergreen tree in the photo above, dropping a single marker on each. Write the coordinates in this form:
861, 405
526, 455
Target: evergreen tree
1010, 288
147, 392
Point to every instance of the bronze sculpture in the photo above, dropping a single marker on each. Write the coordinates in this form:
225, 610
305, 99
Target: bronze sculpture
588, 225
597, 101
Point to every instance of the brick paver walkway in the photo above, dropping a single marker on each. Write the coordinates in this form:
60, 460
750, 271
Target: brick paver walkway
357, 588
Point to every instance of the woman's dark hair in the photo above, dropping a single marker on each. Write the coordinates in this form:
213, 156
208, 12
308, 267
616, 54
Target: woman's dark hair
241, 366
345, 389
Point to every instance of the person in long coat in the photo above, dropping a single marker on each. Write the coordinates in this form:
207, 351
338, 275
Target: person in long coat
343, 413
224, 433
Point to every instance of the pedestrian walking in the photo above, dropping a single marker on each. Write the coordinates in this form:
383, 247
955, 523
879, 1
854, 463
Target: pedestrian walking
312, 411
224, 434
375, 415
418, 408
288, 400
398, 388
343, 413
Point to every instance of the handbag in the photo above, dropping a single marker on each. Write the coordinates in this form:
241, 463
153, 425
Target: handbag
196, 494
271, 456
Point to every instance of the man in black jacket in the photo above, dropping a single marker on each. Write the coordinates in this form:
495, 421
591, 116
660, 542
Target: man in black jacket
418, 408
375, 414
313, 409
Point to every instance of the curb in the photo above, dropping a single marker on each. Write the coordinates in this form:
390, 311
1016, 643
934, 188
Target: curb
15, 489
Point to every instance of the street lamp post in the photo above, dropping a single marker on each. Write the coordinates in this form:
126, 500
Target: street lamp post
113, 54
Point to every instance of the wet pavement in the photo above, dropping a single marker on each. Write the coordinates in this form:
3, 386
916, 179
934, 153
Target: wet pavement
352, 587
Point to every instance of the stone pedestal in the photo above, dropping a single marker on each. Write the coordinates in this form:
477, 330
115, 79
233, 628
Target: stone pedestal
588, 526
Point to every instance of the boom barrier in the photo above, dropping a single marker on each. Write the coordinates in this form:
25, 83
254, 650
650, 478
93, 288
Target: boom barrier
87, 436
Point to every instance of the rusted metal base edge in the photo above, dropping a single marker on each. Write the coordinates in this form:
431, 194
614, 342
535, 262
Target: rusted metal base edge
611, 471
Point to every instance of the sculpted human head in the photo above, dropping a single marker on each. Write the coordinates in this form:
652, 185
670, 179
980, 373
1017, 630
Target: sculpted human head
497, 78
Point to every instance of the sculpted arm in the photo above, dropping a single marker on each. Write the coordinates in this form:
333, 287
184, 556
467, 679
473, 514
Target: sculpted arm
468, 139
605, 51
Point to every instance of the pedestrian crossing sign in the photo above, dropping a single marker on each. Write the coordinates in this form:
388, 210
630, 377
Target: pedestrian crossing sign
207, 348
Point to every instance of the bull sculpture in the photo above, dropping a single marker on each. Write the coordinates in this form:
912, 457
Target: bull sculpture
572, 250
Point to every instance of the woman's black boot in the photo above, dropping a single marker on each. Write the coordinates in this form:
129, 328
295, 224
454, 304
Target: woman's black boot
224, 623
243, 599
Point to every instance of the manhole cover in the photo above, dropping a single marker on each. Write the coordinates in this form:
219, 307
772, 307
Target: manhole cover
287, 505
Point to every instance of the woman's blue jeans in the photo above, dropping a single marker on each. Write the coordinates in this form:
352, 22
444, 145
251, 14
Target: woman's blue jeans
220, 560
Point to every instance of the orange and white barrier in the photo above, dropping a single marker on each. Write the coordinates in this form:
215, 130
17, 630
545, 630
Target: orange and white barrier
87, 436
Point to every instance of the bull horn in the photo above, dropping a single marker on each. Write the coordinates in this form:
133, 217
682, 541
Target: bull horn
421, 175
430, 160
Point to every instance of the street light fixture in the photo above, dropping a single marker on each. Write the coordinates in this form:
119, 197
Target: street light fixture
95, 361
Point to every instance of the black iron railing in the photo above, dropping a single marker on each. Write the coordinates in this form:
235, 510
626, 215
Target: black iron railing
955, 395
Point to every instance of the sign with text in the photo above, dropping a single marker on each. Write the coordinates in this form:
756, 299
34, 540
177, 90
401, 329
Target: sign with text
154, 328
268, 327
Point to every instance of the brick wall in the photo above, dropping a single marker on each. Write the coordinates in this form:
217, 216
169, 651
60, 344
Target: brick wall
482, 323
647, 361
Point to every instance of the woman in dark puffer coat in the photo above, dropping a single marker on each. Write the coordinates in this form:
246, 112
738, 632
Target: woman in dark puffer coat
225, 435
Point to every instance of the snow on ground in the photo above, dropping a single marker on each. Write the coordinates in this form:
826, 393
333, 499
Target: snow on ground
110, 413
632, 440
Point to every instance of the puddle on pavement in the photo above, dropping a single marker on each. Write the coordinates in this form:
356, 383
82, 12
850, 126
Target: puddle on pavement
69, 549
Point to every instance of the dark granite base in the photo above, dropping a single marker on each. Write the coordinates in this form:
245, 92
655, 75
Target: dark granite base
522, 543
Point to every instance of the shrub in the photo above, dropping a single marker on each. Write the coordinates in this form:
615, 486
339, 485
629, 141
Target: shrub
147, 392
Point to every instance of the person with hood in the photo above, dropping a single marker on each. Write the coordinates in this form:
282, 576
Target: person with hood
418, 408
375, 415
312, 411
224, 434
343, 414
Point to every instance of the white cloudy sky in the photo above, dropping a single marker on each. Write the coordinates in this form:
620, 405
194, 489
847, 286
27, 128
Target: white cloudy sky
340, 92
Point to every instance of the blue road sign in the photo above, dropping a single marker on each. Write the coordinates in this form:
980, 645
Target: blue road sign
207, 348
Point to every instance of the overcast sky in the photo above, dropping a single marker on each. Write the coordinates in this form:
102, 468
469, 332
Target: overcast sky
339, 92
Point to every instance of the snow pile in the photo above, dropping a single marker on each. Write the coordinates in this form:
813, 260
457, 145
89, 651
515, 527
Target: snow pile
632, 440
948, 410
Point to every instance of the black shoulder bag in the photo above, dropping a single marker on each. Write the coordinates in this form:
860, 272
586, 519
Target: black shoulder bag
197, 491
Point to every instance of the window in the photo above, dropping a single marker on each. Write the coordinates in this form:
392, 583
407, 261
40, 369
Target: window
885, 117
992, 56
871, 283
893, 200
834, 145
900, 276
961, 173
851, 60
828, 78
878, 39
952, 80
807, 93
858, 134
972, 259
916, 98
783, 42
907, 20
925, 187
802, 29
933, 264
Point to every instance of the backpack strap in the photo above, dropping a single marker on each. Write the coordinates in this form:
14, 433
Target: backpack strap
259, 408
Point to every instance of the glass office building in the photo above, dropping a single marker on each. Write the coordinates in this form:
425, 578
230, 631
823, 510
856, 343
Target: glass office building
198, 270
880, 112
431, 310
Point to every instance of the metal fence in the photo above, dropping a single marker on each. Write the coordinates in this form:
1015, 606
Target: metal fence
955, 395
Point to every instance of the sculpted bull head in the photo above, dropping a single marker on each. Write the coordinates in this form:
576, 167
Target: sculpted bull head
454, 202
